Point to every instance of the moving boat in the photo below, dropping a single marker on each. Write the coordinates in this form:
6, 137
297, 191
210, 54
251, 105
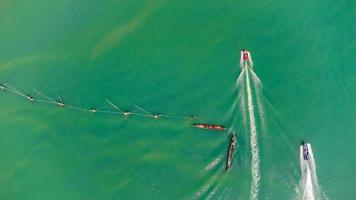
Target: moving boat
230, 151
210, 127
245, 59
305, 150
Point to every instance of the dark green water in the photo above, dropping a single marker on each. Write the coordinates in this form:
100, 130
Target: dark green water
179, 58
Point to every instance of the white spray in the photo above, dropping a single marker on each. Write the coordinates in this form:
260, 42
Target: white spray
258, 87
255, 163
244, 82
309, 188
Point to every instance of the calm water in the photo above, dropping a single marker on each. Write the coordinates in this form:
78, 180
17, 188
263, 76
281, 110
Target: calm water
179, 58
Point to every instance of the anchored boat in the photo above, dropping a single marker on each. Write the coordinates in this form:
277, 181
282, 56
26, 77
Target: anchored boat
210, 127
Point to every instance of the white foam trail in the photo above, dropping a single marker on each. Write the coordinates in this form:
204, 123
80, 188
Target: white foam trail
255, 78
241, 96
261, 112
311, 160
233, 107
243, 110
309, 186
206, 187
306, 184
239, 79
255, 162
212, 193
213, 163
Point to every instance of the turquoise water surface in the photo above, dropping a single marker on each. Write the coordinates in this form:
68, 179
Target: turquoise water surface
178, 58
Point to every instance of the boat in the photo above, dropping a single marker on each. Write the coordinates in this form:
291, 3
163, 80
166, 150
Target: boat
305, 150
245, 59
210, 127
230, 151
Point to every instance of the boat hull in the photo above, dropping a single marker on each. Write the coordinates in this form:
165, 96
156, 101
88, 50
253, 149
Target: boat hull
210, 127
230, 152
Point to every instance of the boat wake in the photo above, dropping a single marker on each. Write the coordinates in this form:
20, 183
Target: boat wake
247, 100
258, 88
309, 188
213, 163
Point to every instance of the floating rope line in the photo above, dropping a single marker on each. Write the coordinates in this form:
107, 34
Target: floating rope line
43, 98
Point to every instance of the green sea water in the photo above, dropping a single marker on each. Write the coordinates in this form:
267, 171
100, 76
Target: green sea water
179, 58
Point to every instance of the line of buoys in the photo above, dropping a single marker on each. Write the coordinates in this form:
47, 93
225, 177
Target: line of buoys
42, 98
39, 96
